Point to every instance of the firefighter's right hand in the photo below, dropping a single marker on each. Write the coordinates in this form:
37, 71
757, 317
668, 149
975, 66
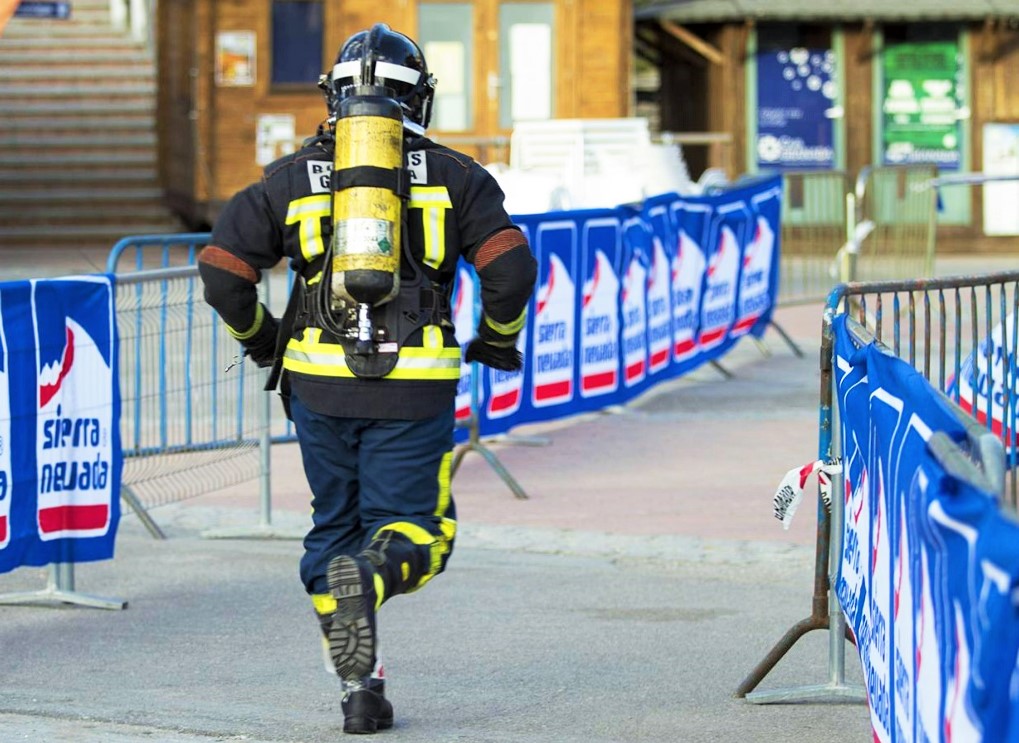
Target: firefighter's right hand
498, 356
261, 347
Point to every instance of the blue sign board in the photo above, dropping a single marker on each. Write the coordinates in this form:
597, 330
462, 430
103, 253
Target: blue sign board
796, 93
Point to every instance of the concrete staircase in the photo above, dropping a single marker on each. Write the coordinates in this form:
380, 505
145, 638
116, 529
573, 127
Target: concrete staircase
78, 162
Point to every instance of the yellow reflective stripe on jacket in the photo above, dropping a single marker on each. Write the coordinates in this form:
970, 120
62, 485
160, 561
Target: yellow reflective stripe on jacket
433, 201
432, 362
307, 213
259, 319
507, 328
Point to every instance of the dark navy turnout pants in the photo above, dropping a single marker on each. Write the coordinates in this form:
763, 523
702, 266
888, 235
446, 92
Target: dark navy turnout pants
370, 474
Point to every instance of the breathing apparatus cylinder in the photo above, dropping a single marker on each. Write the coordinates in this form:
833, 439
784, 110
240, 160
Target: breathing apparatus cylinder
366, 204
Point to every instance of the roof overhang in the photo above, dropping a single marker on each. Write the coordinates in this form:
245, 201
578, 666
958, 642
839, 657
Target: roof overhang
829, 11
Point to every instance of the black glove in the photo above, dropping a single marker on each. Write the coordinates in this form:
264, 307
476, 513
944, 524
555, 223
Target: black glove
502, 357
261, 347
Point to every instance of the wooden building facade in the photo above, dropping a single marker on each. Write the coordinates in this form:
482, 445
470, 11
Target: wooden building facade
237, 78
804, 85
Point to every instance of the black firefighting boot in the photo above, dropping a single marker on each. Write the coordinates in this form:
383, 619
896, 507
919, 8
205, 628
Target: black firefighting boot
365, 707
391, 564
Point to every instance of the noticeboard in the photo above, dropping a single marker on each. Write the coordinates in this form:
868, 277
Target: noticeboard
920, 108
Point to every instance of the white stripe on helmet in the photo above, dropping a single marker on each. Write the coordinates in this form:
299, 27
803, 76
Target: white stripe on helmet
386, 70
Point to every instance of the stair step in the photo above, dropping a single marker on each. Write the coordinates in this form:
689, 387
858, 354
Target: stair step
90, 87
113, 231
109, 41
48, 211
98, 56
58, 178
71, 108
60, 194
52, 29
63, 127
71, 159
79, 17
89, 141
42, 72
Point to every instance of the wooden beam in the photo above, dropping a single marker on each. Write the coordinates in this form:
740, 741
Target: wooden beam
693, 41
668, 46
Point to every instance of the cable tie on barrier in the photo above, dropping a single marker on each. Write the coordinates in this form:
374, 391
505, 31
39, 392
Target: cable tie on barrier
790, 490
232, 364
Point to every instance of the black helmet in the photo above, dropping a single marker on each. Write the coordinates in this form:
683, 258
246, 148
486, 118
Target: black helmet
381, 56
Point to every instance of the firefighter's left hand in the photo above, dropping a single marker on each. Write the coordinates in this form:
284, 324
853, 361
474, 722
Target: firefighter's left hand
502, 357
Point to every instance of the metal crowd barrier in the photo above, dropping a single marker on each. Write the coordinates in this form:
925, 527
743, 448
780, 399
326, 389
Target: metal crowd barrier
893, 223
813, 231
834, 231
194, 417
148, 252
187, 425
933, 324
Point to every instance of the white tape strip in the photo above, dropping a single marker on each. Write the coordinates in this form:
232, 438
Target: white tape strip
790, 489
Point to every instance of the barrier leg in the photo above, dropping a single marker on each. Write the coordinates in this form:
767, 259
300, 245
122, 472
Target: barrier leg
789, 341
762, 347
60, 590
128, 496
825, 610
474, 444
722, 370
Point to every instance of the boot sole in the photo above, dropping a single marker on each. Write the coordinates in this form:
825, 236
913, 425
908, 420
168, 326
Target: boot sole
366, 725
351, 640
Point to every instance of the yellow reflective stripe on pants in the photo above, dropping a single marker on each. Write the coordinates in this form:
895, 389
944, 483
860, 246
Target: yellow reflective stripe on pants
438, 546
324, 603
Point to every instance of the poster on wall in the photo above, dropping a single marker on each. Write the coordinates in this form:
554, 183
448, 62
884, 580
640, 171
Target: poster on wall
274, 137
921, 101
1001, 159
796, 91
235, 58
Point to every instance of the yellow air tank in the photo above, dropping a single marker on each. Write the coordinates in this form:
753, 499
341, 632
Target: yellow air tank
367, 206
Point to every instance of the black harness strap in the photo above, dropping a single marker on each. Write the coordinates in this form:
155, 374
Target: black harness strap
396, 180
286, 328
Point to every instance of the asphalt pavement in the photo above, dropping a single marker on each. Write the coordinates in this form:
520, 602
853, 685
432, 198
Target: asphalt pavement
625, 600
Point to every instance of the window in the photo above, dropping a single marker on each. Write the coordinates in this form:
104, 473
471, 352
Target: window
296, 41
446, 39
525, 62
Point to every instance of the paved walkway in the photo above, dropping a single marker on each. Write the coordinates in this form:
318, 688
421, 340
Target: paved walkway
624, 600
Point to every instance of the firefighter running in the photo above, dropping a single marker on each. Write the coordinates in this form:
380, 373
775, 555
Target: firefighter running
373, 217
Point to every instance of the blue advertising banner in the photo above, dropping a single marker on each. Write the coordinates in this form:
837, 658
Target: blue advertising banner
981, 387
796, 91
60, 454
929, 564
627, 298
